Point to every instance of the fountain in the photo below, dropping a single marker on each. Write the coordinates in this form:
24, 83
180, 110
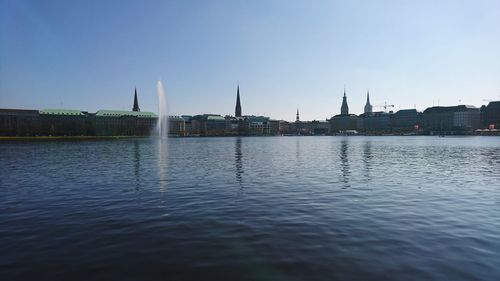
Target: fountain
162, 125
162, 133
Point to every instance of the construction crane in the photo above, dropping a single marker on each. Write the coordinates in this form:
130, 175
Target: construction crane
385, 106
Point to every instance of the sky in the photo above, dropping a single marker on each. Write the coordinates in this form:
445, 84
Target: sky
90, 55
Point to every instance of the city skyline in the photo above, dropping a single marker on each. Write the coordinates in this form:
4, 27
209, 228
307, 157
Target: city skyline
283, 55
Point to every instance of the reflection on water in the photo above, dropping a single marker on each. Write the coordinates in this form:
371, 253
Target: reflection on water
431, 212
298, 161
162, 164
137, 164
367, 158
238, 155
344, 162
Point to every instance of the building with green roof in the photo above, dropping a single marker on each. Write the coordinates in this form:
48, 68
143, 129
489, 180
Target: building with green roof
209, 125
124, 123
121, 113
62, 112
63, 122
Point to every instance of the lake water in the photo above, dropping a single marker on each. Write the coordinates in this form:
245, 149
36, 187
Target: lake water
263, 208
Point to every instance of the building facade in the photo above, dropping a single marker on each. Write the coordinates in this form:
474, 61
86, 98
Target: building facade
63, 122
490, 115
460, 119
19, 122
406, 121
344, 121
176, 126
375, 122
124, 123
208, 125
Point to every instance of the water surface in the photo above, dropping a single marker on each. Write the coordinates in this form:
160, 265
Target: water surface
268, 208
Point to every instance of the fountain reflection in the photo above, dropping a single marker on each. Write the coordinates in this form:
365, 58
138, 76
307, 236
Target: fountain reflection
137, 164
344, 162
162, 163
238, 163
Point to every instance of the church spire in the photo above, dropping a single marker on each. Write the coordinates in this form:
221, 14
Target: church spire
368, 106
237, 111
136, 103
344, 110
297, 118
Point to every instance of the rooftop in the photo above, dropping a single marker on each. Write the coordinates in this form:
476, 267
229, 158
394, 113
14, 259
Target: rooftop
455, 108
209, 117
120, 113
61, 112
9, 111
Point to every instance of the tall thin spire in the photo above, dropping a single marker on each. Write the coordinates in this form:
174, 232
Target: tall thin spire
237, 111
344, 110
368, 106
136, 102
297, 118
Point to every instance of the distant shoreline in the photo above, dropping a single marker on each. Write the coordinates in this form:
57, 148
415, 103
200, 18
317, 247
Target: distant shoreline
71, 137
16, 138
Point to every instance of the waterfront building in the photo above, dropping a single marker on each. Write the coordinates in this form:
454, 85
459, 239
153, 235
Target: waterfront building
176, 126
406, 121
258, 125
284, 128
208, 125
188, 128
63, 122
68, 122
245, 124
19, 122
460, 119
375, 122
234, 125
317, 127
251, 125
124, 123
490, 115
343, 121
274, 127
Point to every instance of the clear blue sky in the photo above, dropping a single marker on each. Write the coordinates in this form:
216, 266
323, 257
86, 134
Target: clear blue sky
90, 55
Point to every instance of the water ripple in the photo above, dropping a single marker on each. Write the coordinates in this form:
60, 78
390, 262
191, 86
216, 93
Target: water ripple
284, 208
